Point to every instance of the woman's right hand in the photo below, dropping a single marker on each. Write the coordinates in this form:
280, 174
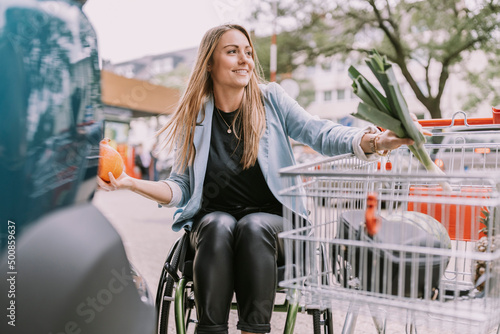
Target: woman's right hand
122, 182
155, 190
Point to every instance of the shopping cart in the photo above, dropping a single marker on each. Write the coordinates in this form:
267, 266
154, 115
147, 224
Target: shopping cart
401, 243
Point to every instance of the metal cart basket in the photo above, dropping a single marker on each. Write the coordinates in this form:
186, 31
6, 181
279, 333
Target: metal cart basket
392, 240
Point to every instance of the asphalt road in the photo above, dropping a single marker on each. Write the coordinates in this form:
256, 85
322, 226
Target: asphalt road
147, 236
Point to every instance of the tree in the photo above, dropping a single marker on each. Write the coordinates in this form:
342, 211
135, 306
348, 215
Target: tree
432, 35
286, 62
287, 47
485, 85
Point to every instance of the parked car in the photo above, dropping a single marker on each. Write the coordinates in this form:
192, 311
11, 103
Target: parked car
465, 149
64, 266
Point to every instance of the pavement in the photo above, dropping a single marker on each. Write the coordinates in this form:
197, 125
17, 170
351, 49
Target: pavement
147, 236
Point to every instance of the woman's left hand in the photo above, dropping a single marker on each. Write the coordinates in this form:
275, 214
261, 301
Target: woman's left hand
388, 140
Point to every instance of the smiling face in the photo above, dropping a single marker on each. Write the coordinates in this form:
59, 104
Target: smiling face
232, 63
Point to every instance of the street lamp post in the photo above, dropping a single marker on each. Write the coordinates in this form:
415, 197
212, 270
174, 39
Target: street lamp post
274, 47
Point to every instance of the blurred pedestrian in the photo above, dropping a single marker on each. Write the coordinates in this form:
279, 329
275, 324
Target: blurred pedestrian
143, 161
153, 165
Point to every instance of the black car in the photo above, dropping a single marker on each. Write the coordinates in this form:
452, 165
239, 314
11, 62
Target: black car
463, 149
63, 265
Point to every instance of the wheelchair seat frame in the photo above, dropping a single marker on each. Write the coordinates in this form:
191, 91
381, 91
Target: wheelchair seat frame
176, 286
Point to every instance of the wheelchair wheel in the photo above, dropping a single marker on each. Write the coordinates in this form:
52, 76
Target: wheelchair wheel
164, 294
165, 289
322, 321
189, 308
185, 287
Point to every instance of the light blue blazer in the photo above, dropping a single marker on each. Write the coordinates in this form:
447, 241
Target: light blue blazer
284, 119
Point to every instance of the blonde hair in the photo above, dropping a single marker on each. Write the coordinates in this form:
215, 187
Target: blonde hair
180, 128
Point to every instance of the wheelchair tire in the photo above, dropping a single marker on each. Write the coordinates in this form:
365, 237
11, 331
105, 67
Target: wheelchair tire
322, 322
166, 288
164, 294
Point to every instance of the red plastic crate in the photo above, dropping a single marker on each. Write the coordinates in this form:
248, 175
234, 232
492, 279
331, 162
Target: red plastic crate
462, 221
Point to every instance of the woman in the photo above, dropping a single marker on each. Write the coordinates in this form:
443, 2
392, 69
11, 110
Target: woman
231, 138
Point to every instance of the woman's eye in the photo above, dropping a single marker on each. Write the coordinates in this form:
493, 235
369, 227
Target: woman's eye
231, 51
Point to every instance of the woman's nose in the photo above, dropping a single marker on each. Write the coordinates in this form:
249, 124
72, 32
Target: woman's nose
241, 58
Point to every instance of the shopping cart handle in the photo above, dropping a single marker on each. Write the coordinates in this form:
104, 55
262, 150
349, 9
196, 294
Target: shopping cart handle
495, 119
371, 219
455, 122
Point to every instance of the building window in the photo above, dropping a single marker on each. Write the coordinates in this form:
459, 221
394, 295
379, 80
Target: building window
340, 94
327, 95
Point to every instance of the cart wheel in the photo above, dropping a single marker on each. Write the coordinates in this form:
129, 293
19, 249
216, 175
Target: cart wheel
328, 325
342, 271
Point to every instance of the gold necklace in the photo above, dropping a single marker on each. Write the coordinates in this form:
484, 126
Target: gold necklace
228, 126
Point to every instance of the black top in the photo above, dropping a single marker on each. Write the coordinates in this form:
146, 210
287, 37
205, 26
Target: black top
227, 187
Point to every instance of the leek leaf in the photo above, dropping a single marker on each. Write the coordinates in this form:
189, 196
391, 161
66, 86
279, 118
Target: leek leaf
389, 111
379, 118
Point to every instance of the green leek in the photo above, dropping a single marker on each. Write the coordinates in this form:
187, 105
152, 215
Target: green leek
389, 111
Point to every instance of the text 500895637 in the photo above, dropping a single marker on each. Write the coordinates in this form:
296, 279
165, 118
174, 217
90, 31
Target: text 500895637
11, 273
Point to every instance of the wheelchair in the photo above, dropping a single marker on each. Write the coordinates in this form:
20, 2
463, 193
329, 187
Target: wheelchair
176, 288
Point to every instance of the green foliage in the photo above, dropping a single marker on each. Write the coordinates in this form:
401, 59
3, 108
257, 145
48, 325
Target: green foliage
485, 85
434, 35
287, 45
484, 219
286, 62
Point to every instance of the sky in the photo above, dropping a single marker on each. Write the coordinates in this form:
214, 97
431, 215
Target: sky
129, 29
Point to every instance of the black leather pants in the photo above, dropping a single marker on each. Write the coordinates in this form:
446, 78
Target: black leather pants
240, 256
